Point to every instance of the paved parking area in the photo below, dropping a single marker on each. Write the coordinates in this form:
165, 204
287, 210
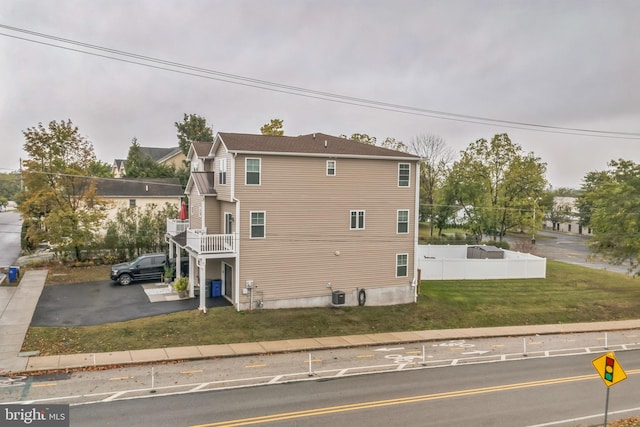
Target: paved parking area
95, 303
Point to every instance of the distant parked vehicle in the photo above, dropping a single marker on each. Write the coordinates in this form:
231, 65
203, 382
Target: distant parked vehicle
145, 267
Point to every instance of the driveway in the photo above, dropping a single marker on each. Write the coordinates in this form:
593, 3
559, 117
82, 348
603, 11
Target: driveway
568, 248
95, 303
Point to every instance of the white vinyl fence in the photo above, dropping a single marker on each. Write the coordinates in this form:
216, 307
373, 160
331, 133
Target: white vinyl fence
439, 262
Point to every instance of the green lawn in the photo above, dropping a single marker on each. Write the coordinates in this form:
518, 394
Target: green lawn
569, 294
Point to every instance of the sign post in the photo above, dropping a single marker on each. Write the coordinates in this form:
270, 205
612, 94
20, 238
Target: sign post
611, 373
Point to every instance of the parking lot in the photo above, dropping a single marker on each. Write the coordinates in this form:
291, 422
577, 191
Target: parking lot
96, 303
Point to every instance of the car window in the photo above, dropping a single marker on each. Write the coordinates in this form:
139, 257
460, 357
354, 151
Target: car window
159, 260
144, 262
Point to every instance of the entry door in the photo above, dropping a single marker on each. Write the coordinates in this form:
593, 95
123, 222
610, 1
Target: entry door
228, 281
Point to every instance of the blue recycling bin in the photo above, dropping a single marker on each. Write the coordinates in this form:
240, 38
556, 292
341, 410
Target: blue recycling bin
14, 273
216, 288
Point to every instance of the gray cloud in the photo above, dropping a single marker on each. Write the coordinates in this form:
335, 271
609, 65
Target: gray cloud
569, 64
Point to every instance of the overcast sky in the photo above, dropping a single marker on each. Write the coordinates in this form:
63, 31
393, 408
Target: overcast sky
566, 64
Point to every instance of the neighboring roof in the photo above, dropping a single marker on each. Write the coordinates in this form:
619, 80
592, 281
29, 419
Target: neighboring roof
204, 182
312, 144
144, 187
158, 153
119, 163
202, 149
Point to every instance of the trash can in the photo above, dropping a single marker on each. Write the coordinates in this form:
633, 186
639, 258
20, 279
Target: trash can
14, 273
216, 288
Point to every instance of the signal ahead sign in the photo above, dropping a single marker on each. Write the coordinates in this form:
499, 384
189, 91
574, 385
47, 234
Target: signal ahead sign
609, 369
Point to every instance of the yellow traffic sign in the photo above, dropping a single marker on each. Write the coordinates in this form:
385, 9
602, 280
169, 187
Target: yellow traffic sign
609, 369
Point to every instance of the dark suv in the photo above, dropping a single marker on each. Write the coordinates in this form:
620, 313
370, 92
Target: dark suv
145, 267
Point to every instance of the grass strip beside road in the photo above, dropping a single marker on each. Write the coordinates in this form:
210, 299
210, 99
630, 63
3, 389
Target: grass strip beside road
569, 294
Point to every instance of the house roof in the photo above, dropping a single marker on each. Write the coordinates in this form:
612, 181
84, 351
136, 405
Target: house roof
147, 187
312, 144
204, 182
159, 153
202, 149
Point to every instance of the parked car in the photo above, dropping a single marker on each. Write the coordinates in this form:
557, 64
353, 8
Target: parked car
145, 267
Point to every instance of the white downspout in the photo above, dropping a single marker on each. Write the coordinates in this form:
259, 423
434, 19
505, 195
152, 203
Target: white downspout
236, 225
416, 222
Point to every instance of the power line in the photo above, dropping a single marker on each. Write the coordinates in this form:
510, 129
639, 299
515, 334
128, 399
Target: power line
305, 92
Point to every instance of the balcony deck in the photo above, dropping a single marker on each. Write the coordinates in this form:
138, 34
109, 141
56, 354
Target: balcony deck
204, 243
177, 226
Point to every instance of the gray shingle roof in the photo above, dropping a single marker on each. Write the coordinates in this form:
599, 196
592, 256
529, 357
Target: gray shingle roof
202, 148
147, 187
313, 144
158, 153
204, 182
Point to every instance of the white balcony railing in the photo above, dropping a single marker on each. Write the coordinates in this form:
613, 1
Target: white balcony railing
177, 226
203, 243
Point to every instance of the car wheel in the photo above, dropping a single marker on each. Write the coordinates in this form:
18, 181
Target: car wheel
124, 279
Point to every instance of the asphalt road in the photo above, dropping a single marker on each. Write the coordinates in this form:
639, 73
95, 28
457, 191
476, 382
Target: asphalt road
568, 248
561, 391
95, 303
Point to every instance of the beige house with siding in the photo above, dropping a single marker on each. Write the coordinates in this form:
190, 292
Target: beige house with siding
137, 193
305, 221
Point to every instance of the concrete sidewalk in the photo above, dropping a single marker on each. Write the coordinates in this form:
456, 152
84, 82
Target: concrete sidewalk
18, 305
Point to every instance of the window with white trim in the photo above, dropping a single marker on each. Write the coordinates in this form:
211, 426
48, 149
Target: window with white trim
357, 220
403, 222
402, 265
258, 225
222, 175
252, 174
132, 203
331, 168
404, 173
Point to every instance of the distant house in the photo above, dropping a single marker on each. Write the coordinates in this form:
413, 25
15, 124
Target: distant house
138, 193
166, 156
565, 217
305, 221
117, 168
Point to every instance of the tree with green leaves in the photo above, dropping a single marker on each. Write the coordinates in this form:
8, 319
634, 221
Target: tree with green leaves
609, 204
139, 165
193, 128
59, 204
10, 185
135, 231
274, 127
361, 137
100, 169
394, 144
498, 185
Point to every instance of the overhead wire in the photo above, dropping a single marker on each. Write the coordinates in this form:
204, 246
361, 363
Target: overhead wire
305, 92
